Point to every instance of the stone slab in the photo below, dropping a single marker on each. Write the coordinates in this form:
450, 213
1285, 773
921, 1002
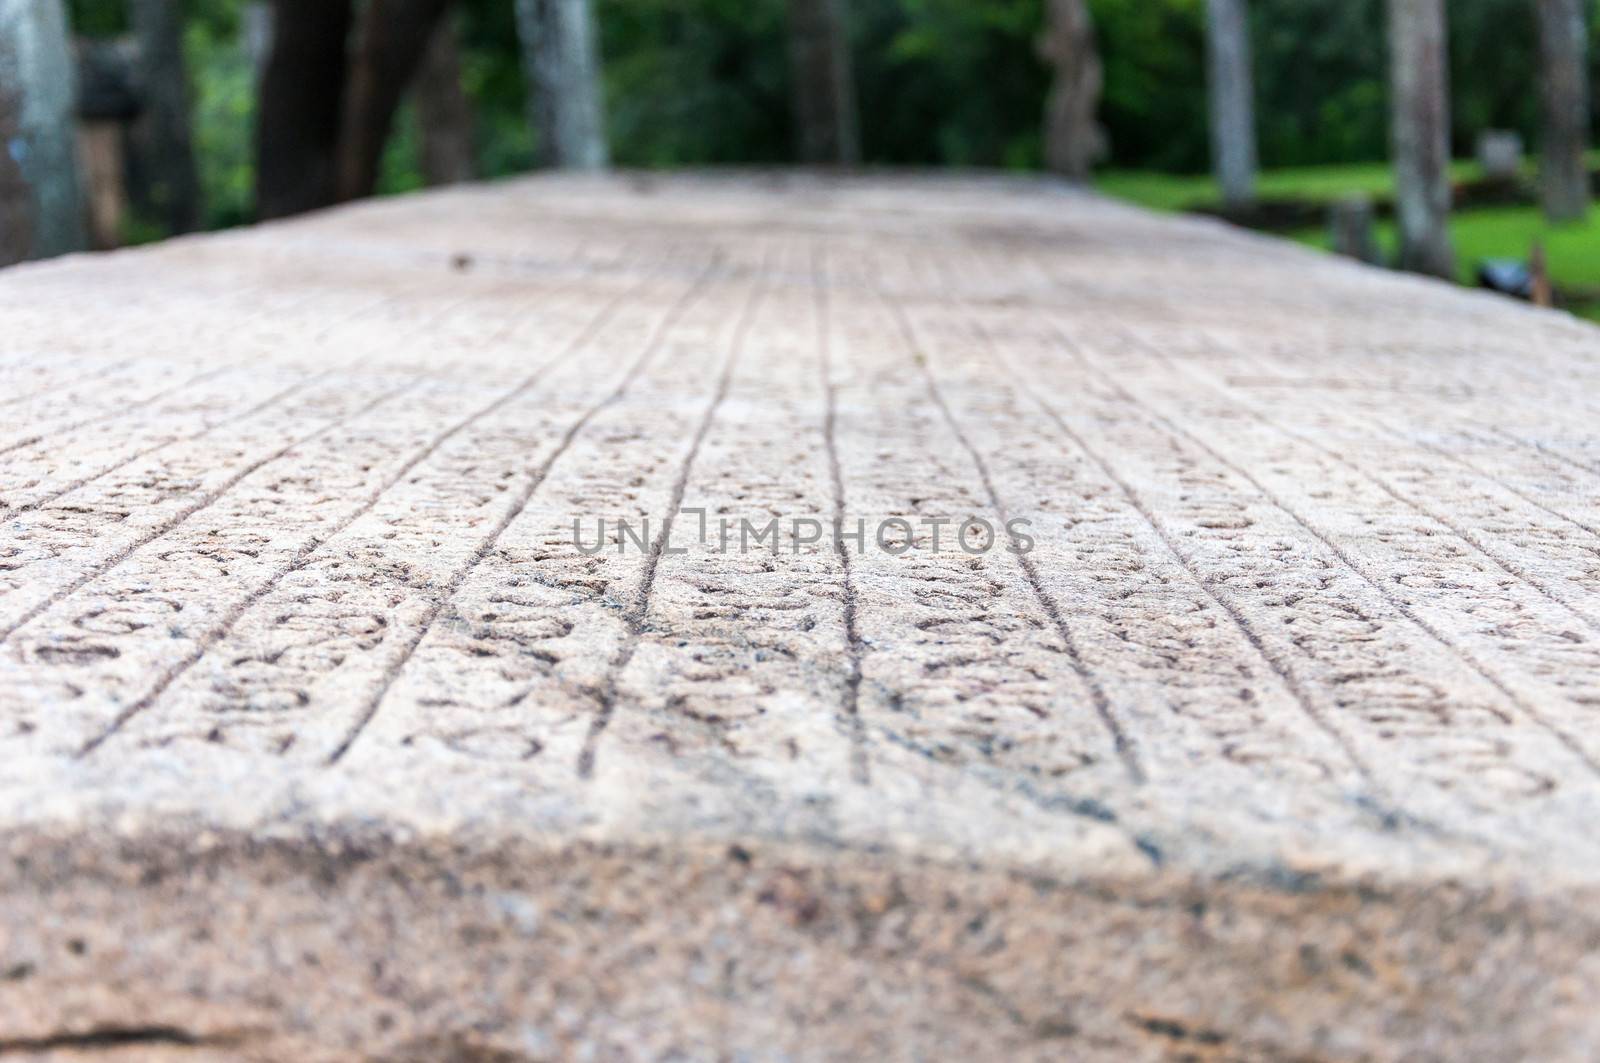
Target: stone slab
1268, 731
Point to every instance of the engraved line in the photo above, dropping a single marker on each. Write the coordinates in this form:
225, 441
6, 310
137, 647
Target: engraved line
1097, 695
61, 385
1487, 475
1405, 610
1377, 423
106, 565
635, 617
220, 630
1271, 657
535, 480
507, 329
854, 648
230, 328
1515, 571
209, 498
242, 415
1542, 448
126, 408
113, 414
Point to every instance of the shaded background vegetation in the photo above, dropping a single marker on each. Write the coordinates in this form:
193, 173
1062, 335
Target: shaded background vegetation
941, 82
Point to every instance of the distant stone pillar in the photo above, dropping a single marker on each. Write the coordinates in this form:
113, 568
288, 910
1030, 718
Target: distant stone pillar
1350, 228
1231, 98
104, 162
108, 102
1499, 153
561, 55
1564, 76
1420, 130
38, 133
1073, 139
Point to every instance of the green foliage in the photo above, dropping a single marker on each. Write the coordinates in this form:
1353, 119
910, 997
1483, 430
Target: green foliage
1315, 184
1493, 51
1321, 81
223, 95
1571, 250
397, 170
940, 82
98, 18
1154, 105
491, 74
950, 82
696, 81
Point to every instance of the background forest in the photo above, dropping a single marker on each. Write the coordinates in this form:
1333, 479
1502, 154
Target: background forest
1443, 136
940, 83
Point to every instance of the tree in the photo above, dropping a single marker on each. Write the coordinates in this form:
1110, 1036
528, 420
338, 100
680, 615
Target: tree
393, 38
561, 57
822, 84
170, 186
45, 214
1073, 139
1563, 40
1420, 131
1231, 89
300, 112
326, 107
444, 114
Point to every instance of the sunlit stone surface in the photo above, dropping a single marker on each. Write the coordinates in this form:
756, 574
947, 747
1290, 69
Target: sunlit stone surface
1270, 733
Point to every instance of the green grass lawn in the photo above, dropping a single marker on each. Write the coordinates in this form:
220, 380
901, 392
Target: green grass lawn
1572, 251
1161, 191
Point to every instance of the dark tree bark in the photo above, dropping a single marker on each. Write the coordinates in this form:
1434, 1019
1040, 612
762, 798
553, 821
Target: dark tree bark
16, 198
1073, 139
393, 37
444, 115
301, 108
823, 84
44, 214
561, 58
1563, 63
1232, 102
169, 189
1420, 130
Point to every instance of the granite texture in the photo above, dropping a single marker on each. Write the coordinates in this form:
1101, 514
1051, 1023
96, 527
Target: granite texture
1269, 733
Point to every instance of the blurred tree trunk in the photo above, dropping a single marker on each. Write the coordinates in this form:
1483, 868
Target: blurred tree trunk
1073, 139
301, 107
109, 100
823, 81
392, 39
444, 115
169, 188
43, 212
1563, 61
16, 198
1233, 116
1420, 129
561, 58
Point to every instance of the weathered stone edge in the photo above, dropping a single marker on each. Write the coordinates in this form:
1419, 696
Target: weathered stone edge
351, 943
